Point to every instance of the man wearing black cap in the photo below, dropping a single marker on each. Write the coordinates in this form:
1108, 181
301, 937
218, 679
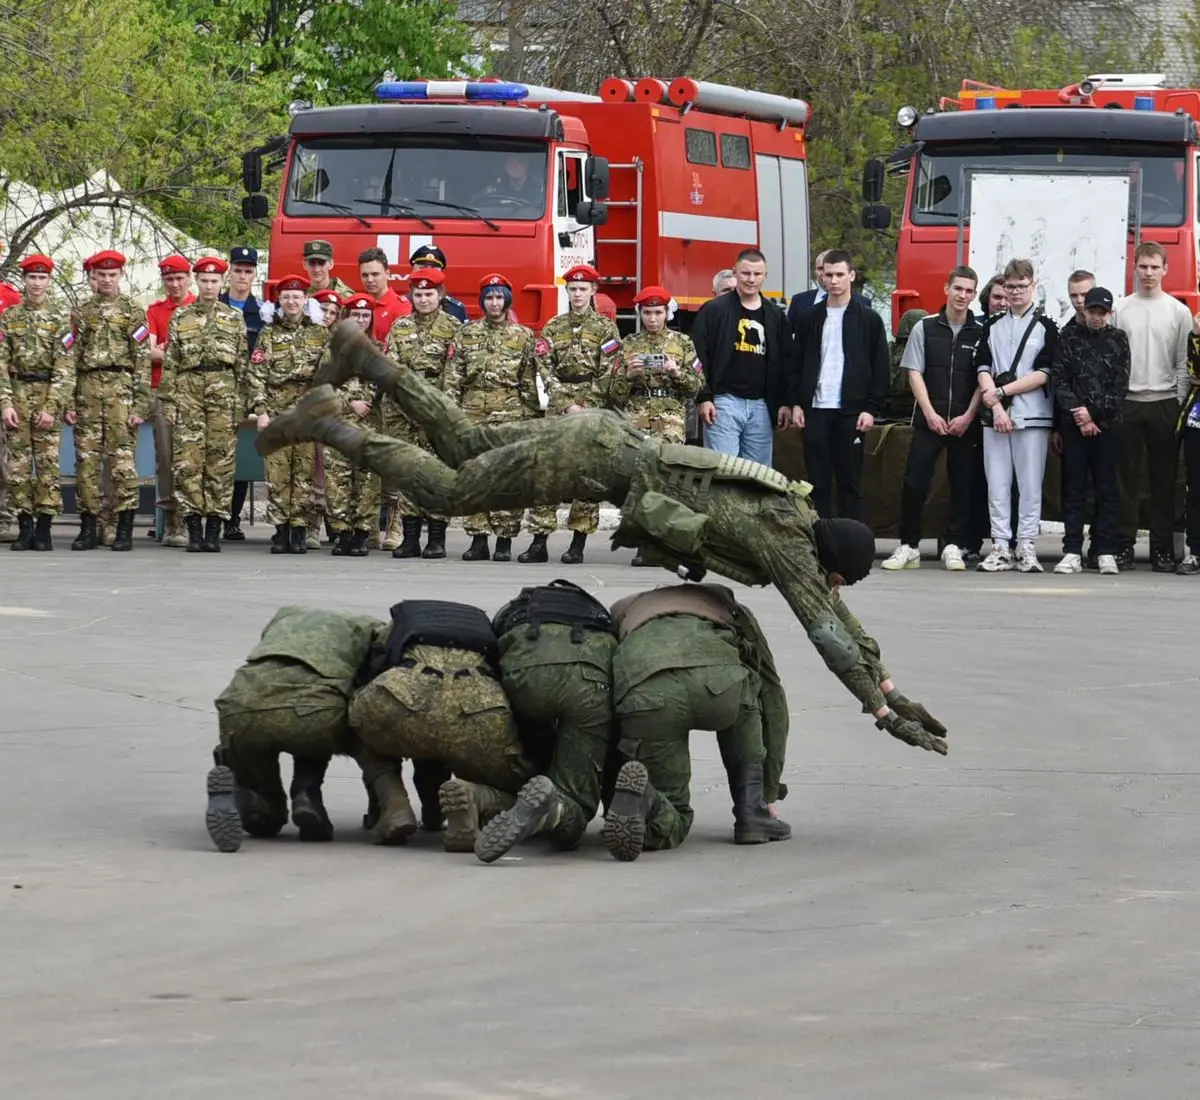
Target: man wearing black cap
243, 266
429, 256
1091, 378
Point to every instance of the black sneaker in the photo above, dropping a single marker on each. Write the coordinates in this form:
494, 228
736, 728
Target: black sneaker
1125, 561
1162, 561
972, 557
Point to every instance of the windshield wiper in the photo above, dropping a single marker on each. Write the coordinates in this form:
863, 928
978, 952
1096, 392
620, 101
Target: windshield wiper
335, 206
403, 207
470, 211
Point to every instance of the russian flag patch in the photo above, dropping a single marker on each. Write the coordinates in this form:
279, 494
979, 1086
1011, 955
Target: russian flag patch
140, 334
609, 346
697, 367
68, 340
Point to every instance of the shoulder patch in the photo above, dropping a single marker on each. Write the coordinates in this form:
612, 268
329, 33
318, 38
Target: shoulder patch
140, 334
67, 340
541, 346
610, 345
698, 367
258, 356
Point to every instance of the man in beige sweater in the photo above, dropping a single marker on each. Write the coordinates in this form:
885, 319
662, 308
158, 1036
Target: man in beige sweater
1158, 327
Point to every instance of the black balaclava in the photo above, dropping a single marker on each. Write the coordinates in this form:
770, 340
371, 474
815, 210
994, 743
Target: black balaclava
845, 546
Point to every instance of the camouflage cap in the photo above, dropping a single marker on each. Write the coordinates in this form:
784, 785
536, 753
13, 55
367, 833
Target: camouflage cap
908, 322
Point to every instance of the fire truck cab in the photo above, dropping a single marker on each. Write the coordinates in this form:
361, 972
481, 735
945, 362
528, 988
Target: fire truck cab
1118, 124
654, 182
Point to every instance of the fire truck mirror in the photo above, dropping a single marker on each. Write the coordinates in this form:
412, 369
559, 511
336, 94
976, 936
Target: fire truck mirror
876, 217
254, 207
591, 213
872, 180
597, 179
252, 171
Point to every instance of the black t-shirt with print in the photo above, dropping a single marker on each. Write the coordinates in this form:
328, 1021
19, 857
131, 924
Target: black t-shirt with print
747, 374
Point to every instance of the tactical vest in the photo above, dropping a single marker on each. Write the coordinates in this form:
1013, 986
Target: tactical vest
557, 602
436, 623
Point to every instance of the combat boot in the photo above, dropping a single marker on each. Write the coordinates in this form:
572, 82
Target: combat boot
299, 540
391, 528
212, 535
359, 547
752, 821
539, 808
634, 802
639, 559
281, 541
233, 531
308, 808
195, 536
537, 551
341, 544
465, 805
435, 544
124, 539
222, 818
172, 535
478, 550
410, 547
24, 539
316, 418
396, 821
86, 539
41, 533
573, 554
503, 551
262, 817
350, 358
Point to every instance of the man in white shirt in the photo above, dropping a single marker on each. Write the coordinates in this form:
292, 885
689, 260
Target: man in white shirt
1158, 327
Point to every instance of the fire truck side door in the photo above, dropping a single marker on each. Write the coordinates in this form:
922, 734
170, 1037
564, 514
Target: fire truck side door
573, 243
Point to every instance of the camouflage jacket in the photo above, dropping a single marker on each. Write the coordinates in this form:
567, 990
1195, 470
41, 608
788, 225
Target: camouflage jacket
37, 367
424, 344
1092, 369
112, 332
282, 364
493, 368
334, 284
204, 336
652, 391
583, 348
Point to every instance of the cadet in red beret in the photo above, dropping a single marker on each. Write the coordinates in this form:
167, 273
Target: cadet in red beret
174, 264
427, 278
210, 265
108, 260
37, 263
582, 273
330, 302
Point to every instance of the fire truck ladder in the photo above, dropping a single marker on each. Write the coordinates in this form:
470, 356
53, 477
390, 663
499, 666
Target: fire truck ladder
638, 167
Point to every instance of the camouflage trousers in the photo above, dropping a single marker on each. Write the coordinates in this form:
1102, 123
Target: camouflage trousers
398, 426
164, 456
440, 704
278, 706
291, 475
657, 714
584, 517
33, 463
102, 433
351, 495
205, 442
7, 511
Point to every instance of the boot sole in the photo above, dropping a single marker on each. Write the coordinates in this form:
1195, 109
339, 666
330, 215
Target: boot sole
222, 819
624, 830
510, 827
313, 828
458, 805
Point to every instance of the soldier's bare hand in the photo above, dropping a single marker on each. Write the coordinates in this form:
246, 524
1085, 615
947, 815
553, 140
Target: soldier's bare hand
134, 421
360, 409
43, 422
635, 364
574, 409
670, 365
10, 418
70, 416
707, 412
262, 420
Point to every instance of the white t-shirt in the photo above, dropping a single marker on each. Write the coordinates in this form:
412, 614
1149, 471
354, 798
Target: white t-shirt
833, 361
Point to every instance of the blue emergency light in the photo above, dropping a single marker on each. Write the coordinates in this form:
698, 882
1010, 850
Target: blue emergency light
449, 89
985, 103
1143, 103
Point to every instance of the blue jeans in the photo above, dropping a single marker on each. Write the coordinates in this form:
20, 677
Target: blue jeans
743, 428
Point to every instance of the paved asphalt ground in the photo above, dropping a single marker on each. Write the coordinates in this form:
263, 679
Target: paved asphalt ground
1016, 920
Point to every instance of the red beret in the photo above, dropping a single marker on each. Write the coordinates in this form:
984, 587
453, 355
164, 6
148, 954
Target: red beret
494, 279
108, 260
208, 265
292, 282
353, 301
174, 264
322, 296
582, 273
427, 278
653, 296
38, 263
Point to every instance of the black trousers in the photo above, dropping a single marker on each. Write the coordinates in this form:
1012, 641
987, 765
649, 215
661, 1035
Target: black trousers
963, 459
834, 448
1149, 428
1191, 460
1096, 457
240, 490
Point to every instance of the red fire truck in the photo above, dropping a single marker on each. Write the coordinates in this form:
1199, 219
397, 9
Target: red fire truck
654, 181
1118, 124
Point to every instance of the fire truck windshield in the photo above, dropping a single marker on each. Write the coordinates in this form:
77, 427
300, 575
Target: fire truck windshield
420, 176
938, 197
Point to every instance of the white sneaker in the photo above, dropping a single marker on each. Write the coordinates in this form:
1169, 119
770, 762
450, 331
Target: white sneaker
1108, 565
1071, 563
1027, 559
904, 557
1000, 560
952, 559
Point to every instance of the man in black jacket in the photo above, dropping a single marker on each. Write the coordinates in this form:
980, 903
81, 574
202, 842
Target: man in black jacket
845, 382
940, 363
745, 346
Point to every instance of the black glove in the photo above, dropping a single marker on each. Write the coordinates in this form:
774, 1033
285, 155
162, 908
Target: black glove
911, 733
916, 712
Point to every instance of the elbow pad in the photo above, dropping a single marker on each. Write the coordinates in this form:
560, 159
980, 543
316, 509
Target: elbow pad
838, 650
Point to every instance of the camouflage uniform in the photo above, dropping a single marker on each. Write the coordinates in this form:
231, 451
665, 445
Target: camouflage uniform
335, 283
203, 364
903, 404
425, 344
351, 494
655, 400
493, 376
579, 358
281, 369
112, 383
37, 374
